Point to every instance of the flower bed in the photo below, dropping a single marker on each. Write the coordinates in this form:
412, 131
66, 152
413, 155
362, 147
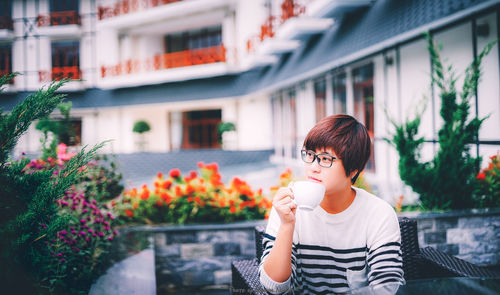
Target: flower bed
194, 198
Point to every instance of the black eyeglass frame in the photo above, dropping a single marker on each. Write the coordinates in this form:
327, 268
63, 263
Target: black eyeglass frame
303, 154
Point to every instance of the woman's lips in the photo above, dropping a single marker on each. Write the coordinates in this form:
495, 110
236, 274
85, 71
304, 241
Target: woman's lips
314, 179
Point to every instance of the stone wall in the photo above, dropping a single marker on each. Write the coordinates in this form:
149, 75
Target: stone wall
189, 258
472, 235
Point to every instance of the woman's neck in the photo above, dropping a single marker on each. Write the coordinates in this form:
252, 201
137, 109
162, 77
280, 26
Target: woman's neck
338, 202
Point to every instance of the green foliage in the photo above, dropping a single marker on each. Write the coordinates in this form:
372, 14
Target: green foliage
28, 208
224, 127
61, 129
447, 181
141, 126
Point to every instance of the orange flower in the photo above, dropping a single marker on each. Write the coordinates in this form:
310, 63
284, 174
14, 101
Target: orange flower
157, 184
189, 189
135, 205
178, 191
129, 212
232, 209
160, 175
189, 199
145, 194
222, 203
197, 200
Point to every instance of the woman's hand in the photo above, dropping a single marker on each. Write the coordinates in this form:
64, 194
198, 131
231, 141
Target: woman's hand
285, 206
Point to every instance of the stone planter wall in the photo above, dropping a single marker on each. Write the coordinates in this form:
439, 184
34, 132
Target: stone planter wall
472, 235
189, 258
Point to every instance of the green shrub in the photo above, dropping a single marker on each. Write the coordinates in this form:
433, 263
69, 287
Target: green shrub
448, 180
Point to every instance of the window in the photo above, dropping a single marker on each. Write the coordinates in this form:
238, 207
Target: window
363, 103
208, 37
320, 98
339, 93
66, 60
199, 129
5, 59
6, 15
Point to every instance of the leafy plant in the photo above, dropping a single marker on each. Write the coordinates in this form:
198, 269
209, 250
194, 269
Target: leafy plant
28, 208
141, 126
447, 181
61, 129
224, 127
487, 193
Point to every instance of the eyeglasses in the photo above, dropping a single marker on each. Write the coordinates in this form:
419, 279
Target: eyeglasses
324, 160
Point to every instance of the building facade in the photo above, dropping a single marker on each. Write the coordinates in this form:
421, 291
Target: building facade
273, 68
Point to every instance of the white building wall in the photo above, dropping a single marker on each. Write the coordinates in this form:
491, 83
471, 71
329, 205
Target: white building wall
254, 121
488, 90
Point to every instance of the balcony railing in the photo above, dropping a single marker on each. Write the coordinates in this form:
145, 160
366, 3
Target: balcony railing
59, 18
6, 23
289, 9
129, 6
58, 73
167, 61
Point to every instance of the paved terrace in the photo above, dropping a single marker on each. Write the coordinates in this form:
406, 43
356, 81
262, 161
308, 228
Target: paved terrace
252, 166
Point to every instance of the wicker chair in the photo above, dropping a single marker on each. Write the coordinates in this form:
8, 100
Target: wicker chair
417, 263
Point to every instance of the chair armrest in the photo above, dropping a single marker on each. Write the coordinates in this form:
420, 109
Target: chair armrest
450, 266
245, 277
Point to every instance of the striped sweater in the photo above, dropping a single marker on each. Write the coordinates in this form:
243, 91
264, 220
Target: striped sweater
335, 253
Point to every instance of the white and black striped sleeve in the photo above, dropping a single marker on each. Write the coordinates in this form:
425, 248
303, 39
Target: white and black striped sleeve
269, 284
384, 257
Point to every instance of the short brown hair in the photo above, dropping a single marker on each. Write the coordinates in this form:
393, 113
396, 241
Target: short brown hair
347, 137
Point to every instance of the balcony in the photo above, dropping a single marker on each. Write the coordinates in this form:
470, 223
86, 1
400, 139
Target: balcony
165, 17
129, 6
298, 20
59, 18
165, 61
168, 67
58, 73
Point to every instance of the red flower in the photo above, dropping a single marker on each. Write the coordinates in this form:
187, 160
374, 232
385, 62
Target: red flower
166, 184
175, 173
232, 209
193, 174
201, 165
481, 176
166, 197
159, 175
159, 203
129, 212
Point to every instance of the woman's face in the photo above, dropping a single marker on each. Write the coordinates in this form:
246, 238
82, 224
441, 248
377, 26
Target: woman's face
333, 178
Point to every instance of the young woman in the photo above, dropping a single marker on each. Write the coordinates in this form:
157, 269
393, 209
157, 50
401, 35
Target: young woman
352, 239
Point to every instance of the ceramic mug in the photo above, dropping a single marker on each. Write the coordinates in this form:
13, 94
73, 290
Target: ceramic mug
307, 194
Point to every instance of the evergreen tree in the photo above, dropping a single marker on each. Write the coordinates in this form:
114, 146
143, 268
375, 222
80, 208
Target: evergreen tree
448, 180
28, 211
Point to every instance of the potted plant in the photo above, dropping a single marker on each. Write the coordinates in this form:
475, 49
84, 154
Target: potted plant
141, 127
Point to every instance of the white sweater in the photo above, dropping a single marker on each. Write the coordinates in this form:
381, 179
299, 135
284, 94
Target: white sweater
335, 253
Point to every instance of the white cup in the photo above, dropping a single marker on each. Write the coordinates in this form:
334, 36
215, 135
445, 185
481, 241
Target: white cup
307, 194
